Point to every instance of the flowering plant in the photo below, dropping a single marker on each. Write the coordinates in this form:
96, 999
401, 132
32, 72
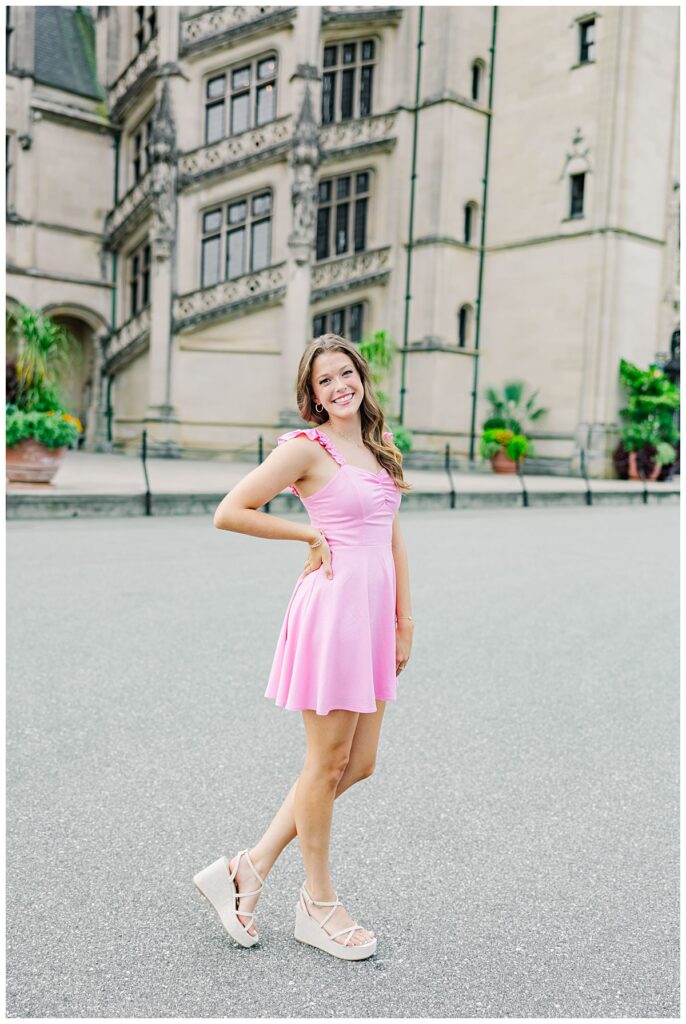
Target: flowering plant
52, 427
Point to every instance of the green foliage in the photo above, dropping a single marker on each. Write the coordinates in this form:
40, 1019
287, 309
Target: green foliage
650, 416
52, 428
495, 439
44, 351
509, 412
379, 350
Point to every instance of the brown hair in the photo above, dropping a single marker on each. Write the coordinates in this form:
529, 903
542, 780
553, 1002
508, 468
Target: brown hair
371, 413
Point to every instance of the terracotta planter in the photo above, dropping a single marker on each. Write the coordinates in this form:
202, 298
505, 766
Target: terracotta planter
502, 463
633, 470
32, 462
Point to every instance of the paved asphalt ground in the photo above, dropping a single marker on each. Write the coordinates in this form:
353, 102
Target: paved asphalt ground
516, 850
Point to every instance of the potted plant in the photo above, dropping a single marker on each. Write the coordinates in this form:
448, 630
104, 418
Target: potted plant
504, 440
504, 448
650, 437
38, 430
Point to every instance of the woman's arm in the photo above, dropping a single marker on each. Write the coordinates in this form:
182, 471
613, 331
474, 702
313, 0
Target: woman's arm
403, 608
238, 511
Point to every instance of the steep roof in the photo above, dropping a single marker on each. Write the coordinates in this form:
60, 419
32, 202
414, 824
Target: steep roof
64, 54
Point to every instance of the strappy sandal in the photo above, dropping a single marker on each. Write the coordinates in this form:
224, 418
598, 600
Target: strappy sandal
312, 932
217, 884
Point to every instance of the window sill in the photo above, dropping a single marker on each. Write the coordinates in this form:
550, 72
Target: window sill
582, 64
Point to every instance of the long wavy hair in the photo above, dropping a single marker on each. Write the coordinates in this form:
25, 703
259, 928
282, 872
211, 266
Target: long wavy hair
371, 413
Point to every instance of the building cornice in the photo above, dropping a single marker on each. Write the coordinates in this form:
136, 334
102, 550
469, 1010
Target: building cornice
68, 114
48, 275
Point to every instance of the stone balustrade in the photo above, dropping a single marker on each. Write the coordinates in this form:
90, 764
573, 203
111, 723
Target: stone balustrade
213, 25
128, 209
131, 337
140, 67
343, 272
228, 297
377, 131
235, 151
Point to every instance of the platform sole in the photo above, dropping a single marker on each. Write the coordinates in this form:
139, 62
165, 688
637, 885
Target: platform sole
312, 934
216, 885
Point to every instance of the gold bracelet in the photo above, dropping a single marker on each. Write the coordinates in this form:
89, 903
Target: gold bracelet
405, 617
318, 542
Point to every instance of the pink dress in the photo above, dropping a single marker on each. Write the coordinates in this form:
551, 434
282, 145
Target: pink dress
336, 648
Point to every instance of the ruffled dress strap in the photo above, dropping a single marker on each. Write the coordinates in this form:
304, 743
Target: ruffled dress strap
314, 435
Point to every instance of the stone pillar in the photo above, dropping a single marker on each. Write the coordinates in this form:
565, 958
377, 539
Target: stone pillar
303, 163
96, 430
160, 419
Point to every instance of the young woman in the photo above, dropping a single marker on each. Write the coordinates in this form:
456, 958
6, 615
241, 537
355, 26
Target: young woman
346, 636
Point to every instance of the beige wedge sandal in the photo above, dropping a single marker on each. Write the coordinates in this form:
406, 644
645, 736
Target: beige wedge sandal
312, 932
217, 884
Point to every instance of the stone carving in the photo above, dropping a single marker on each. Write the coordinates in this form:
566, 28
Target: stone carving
220, 19
132, 203
128, 334
138, 66
244, 289
220, 155
304, 160
163, 172
346, 270
363, 131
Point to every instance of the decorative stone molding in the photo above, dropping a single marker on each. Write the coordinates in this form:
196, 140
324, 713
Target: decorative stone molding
131, 338
140, 68
377, 131
129, 210
344, 272
361, 15
230, 297
221, 25
234, 152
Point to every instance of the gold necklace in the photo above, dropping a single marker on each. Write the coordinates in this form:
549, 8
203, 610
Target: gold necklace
357, 444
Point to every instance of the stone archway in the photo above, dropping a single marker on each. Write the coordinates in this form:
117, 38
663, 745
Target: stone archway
81, 386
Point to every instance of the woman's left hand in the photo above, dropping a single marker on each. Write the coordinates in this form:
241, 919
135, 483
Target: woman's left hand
404, 632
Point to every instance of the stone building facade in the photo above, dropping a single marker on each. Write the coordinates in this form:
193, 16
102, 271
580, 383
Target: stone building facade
496, 187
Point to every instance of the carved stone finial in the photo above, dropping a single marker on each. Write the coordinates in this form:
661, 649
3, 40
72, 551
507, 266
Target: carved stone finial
163, 134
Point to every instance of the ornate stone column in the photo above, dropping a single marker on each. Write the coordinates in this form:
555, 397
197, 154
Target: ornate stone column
96, 431
303, 162
160, 419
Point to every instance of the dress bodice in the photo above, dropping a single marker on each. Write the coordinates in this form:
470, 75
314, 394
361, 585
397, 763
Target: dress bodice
356, 507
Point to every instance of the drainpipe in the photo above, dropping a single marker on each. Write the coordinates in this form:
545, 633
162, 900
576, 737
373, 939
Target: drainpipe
113, 313
472, 429
410, 242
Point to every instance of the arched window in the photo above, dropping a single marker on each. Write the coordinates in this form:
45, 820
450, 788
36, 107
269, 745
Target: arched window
464, 325
469, 222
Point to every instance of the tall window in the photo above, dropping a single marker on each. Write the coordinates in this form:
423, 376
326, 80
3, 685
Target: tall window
236, 238
346, 322
463, 325
587, 41
348, 80
145, 26
140, 149
342, 214
576, 205
469, 222
240, 98
476, 80
139, 279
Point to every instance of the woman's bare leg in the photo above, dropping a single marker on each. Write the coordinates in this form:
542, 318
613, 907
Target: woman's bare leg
282, 829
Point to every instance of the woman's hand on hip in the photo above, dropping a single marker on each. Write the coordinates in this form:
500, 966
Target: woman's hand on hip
316, 557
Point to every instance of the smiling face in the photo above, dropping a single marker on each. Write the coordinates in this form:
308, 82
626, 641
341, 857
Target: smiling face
337, 385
